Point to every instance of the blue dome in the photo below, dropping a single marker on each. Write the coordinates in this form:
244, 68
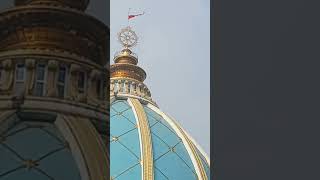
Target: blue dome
144, 142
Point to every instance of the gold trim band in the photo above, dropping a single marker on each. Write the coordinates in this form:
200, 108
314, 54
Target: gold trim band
146, 142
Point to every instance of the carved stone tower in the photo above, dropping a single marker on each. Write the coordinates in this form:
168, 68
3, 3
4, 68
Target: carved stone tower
53, 92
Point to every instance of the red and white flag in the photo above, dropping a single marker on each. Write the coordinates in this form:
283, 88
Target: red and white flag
130, 16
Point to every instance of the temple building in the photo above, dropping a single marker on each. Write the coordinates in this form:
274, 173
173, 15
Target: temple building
54, 100
145, 143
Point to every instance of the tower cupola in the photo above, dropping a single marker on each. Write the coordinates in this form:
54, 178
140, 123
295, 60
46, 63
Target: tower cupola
126, 76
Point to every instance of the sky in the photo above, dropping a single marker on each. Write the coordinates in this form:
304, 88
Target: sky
174, 50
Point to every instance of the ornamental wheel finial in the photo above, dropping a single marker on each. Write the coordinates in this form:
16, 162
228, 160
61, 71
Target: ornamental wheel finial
127, 37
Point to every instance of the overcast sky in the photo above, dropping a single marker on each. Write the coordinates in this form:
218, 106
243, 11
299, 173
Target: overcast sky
174, 43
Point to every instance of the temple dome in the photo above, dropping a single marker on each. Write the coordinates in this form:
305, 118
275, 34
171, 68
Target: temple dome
146, 143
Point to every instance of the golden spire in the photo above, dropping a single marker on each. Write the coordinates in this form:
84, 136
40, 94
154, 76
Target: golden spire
126, 77
126, 61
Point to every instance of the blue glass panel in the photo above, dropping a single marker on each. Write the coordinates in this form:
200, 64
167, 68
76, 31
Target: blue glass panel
55, 169
20, 141
124, 143
120, 125
159, 175
25, 174
36, 151
121, 159
159, 147
112, 112
131, 141
165, 134
133, 173
11, 161
120, 106
171, 158
172, 166
181, 151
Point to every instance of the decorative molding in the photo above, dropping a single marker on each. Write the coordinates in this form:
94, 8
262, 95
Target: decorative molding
127, 86
8, 75
86, 146
187, 143
52, 78
145, 139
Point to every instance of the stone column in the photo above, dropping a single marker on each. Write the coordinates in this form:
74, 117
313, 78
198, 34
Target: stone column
8, 75
93, 81
52, 78
30, 75
73, 82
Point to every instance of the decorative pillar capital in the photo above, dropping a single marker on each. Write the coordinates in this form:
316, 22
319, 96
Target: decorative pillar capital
30, 63
52, 65
75, 68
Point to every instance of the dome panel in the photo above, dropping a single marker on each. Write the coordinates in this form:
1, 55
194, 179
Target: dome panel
20, 140
173, 155
170, 155
60, 156
11, 161
174, 168
125, 153
25, 159
134, 171
162, 148
25, 174
122, 160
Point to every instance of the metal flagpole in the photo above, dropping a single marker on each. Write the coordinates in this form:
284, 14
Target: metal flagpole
128, 16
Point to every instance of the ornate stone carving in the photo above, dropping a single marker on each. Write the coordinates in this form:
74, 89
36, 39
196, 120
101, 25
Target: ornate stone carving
126, 86
8, 75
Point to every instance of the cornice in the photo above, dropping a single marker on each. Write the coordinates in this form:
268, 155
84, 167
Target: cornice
63, 56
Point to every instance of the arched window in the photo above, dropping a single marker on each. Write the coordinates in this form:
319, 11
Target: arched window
20, 77
40, 85
81, 82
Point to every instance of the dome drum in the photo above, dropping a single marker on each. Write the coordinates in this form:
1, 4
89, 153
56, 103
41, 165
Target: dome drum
50, 28
130, 87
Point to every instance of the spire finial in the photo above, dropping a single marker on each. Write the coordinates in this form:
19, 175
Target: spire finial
126, 76
127, 37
